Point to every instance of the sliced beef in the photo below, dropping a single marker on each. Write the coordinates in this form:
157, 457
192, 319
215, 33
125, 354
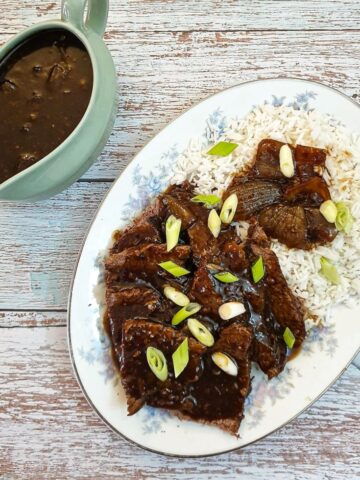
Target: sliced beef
144, 229
202, 290
143, 263
181, 196
267, 160
233, 256
176, 208
218, 398
140, 384
287, 308
253, 196
131, 301
203, 245
134, 236
269, 349
309, 161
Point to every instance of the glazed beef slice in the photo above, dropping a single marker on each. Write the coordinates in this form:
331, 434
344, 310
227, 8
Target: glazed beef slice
130, 301
145, 229
202, 392
140, 383
202, 290
287, 308
203, 244
143, 262
269, 348
307, 160
218, 398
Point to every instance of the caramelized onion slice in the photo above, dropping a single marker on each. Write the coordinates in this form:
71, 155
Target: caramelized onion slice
287, 224
254, 195
311, 193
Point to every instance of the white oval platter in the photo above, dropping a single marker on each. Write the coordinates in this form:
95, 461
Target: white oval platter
326, 352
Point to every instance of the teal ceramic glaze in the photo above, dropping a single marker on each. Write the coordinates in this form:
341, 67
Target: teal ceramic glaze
74, 156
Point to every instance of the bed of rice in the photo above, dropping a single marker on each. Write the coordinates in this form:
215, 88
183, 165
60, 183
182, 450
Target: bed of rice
301, 268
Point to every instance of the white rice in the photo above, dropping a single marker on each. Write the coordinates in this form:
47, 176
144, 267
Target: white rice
301, 268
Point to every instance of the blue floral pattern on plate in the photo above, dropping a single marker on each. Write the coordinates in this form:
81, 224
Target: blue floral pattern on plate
145, 187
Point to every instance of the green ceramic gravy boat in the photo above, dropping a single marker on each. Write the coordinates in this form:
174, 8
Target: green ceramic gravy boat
80, 149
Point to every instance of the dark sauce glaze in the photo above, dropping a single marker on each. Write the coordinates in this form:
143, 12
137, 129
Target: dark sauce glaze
134, 294
45, 88
286, 208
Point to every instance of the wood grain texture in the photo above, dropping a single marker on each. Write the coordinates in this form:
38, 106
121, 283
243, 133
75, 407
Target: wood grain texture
47, 430
188, 15
26, 319
168, 55
161, 74
39, 245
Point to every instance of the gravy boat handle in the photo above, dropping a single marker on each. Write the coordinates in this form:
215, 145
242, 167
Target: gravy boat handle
73, 11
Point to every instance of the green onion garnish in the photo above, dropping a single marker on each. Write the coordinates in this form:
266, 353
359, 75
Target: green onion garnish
225, 363
172, 228
157, 363
214, 223
344, 219
229, 209
328, 210
289, 337
185, 312
258, 270
208, 200
222, 149
181, 357
226, 277
329, 271
175, 296
174, 269
200, 332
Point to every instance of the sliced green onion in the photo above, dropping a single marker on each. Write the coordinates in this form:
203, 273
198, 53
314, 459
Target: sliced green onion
287, 167
226, 277
181, 357
329, 271
172, 228
208, 200
288, 337
185, 312
230, 310
344, 219
222, 149
225, 363
174, 269
157, 363
258, 270
229, 209
175, 296
214, 223
200, 332
329, 211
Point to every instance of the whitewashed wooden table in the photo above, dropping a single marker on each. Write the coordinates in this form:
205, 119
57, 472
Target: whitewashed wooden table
169, 54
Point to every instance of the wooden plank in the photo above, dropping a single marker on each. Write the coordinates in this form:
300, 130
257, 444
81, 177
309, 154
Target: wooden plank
41, 247
48, 431
162, 74
39, 244
31, 318
189, 15
25, 319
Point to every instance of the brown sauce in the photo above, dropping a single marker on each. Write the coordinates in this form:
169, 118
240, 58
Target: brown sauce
45, 88
295, 352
